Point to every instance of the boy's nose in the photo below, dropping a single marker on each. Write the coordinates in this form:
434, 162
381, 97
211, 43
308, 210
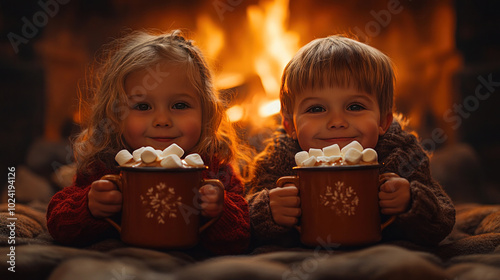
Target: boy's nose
337, 120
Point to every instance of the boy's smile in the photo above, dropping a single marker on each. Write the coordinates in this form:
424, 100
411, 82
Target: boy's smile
162, 111
333, 115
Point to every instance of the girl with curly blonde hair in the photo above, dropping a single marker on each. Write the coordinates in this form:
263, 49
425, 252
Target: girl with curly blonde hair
153, 90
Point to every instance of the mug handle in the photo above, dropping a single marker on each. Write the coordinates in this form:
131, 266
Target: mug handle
289, 179
382, 179
115, 179
218, 184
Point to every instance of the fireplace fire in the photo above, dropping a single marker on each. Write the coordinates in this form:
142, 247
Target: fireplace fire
249, 43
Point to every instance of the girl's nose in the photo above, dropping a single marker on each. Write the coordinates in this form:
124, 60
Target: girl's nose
162, 119
337, 120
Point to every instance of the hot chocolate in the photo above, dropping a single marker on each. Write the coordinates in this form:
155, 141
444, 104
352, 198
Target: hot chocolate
352, 154
149, 157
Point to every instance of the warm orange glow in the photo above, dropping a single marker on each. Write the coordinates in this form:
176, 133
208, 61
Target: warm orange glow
77, 118
270, 108
210, 34
270, 48
277, 45
235, 113
248, 43
229, 80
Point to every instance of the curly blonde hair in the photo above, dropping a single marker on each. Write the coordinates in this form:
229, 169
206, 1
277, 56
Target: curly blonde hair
102, 137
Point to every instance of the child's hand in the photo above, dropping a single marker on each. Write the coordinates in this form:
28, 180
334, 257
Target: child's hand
394, 195
285, 205
104, 199
212, 201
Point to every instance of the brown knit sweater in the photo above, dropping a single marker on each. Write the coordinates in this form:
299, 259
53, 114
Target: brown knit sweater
431, 216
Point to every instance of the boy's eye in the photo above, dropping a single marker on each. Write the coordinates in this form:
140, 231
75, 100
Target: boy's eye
142, 107
355, 107
180, 106
315, 109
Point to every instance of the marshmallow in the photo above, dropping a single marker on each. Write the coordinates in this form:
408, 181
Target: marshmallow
149, 155
334, 158
173, 149
333, 150
323, 159
123, 157
354, 144
369, 155
137, 153
352, 156
171, 161
158, 153
310, 161
300, 157
194, 160
315, 152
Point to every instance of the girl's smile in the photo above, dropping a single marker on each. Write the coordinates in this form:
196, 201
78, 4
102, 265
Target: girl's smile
165, 112
163, 139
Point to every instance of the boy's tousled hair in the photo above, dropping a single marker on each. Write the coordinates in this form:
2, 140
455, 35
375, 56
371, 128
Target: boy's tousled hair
337, 61
102, 137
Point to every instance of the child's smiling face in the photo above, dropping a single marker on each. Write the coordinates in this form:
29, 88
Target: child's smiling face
164, 108
333, 115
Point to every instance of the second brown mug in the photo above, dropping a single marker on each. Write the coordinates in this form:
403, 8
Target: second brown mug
339, 204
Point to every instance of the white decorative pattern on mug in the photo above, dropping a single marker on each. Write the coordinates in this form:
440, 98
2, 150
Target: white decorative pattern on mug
161, 204
343, 200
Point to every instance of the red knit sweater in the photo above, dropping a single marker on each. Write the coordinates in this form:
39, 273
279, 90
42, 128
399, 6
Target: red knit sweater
70, 222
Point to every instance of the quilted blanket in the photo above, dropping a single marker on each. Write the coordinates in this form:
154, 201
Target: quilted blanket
471, 251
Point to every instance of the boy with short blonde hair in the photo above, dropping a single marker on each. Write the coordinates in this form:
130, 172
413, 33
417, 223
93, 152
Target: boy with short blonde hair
336, 90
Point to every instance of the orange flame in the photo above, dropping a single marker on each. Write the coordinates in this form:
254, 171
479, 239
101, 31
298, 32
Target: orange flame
267, 22
273, 46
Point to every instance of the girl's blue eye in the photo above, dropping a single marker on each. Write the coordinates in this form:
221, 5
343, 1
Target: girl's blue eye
142, 107
355, 107
180, 106
315, 109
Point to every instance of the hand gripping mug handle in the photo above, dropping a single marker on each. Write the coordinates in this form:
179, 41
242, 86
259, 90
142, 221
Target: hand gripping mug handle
115, 179
218, 184
289, 179
382, 179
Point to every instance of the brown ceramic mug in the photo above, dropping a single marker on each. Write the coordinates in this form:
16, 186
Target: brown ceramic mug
339, 204
161, 206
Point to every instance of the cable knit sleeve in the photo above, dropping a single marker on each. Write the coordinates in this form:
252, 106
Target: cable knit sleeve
230, 234
432, 215
274, 162
69, 220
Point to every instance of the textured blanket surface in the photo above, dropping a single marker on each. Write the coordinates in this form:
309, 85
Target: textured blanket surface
471, 251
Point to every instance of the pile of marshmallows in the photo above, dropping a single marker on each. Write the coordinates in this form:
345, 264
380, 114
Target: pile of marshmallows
168, 158
352, 153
